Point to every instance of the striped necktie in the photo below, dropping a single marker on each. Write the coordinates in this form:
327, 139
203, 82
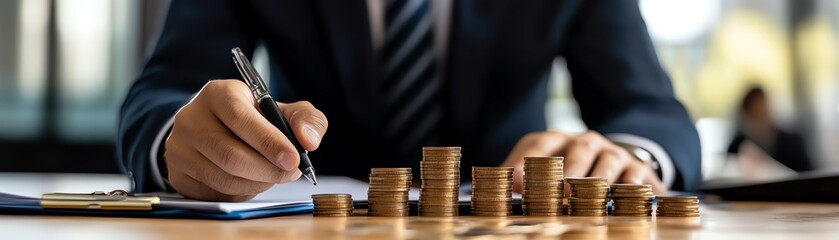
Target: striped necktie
411, 86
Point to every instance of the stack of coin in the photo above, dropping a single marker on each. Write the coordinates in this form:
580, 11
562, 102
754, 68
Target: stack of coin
388, 192
492, 191
440, 174
332, 205
589, 196
681, 206
543, 186
632, 200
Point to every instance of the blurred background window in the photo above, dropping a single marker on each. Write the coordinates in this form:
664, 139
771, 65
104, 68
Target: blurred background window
64, 71
67, 65
715, 51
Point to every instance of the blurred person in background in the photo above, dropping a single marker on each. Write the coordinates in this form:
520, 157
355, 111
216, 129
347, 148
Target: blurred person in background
756, 127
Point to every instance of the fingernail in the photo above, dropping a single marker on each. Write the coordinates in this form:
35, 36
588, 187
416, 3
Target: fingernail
286, 162
313, 135
299, 174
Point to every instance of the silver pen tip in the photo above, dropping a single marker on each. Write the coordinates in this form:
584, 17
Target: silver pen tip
310, 175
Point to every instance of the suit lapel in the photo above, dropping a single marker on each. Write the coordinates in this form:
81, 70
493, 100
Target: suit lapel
347, 32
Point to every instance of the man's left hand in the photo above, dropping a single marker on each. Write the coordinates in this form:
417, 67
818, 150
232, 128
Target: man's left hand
587, 154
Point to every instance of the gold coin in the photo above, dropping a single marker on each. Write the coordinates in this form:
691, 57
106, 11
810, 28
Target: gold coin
589, 187
440, 192
543, 214
615, 206
332, 215
387, 193
678, 198
678, 206
632, 214
590, 200
441, 159
584, 180
437, 201
631, 186
390, 170
588, 214
331, 195
555, 201
390, 178
678, 215
491, 214
445, 149
548, 159
445, 165
492, 169
440, 210
441, 177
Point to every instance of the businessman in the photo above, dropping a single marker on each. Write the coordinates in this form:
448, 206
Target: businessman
386, 77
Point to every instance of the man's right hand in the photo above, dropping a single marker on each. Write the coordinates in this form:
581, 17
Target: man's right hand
222, 149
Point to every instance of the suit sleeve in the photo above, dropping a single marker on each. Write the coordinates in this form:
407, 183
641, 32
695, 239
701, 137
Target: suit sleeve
621, 87
193, 48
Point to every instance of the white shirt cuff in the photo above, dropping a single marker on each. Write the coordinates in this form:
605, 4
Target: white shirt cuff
155, 147
668, 171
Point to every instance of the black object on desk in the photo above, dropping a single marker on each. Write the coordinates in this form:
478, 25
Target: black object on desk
818, 186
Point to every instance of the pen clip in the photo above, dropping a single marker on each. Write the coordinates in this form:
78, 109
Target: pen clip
249, 74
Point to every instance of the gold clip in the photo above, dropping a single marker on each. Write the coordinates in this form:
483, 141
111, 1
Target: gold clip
114, 200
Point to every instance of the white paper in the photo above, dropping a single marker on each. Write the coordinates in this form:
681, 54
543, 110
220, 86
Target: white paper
281, 195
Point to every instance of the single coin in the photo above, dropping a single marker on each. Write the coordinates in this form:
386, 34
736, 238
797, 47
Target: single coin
686, 208
536, 159
573, 199
390, 170
542, 214
331, 195
632, 214
677, 198
441, 148
679, 215
492, 214
330, 204
584, 180
332, 215
578, 205
588, 214
632, 186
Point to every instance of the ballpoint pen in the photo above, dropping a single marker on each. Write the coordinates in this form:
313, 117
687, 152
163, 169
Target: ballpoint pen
270, 110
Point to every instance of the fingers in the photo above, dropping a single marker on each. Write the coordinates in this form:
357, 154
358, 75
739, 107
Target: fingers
238, 159
535, 145
234, 105
198, 190
639, 173
610, 163
222, 148
194, 165
658, 187
580, 153
633, 175
308, 123
588, 154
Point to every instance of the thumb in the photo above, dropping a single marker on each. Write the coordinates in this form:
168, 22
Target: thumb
308, 123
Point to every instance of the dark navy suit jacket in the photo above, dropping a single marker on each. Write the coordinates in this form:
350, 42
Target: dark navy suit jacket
497, 66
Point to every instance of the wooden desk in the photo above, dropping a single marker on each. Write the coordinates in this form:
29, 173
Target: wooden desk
738, 220
741, 220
